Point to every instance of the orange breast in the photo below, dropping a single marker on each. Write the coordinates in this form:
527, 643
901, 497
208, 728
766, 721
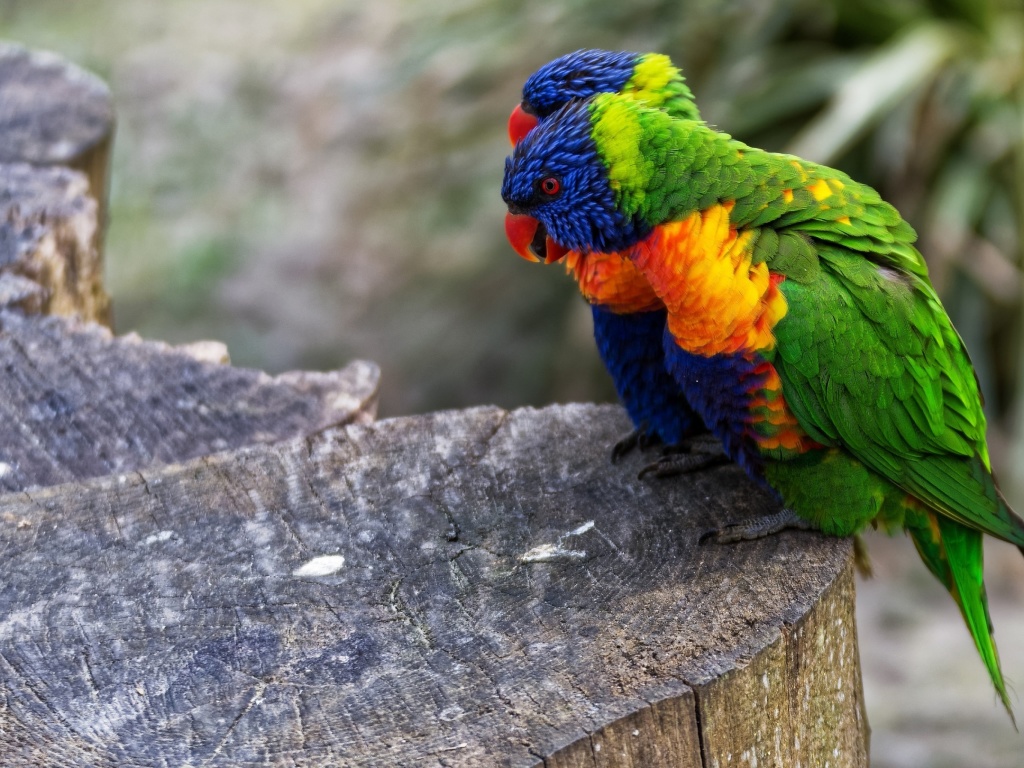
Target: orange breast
613, 281
718, 301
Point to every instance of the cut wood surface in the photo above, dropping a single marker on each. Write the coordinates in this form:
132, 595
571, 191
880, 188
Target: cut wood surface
53, 112
78, 402
472, 588
49, 243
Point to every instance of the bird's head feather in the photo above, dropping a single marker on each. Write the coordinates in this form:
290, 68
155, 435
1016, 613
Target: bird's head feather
648, 77
651, 78
590, 173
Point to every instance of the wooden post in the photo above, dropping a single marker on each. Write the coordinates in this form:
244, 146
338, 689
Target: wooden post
54, 114
49, 256
203, 565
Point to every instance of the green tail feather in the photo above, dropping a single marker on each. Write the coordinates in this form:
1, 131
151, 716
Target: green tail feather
953, 553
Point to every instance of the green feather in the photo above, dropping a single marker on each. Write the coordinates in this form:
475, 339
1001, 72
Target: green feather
954, 554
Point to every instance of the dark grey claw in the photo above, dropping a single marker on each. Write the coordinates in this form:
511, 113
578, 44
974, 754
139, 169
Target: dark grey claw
647, 439
674, 462
757, 528
638, 437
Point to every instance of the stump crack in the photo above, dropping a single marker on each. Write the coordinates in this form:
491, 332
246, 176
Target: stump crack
254, 699
697, 719
503, 419
538, 755
307, 477
454, 530
404, 613
158, 498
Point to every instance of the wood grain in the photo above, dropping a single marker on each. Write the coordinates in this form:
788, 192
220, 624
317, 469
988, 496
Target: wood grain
49, 244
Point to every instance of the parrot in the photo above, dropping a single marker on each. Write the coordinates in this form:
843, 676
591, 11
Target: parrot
629, 319
800, 324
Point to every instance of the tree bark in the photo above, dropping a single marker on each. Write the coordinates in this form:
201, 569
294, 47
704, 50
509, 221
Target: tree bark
471, 588
49, 244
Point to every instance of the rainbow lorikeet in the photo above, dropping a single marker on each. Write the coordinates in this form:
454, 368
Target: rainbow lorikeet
800, 325
629, 318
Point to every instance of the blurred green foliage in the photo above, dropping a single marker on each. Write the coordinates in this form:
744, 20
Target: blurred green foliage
313, 180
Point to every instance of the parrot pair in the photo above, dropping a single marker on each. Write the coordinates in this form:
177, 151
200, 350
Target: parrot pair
775, 301
629, 318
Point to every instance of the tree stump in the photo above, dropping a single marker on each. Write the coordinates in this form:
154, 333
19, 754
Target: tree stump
78, 402
50, 261
55, 113
472, 588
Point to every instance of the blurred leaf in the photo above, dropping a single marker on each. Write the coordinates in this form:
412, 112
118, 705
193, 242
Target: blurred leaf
868, 93
958, 195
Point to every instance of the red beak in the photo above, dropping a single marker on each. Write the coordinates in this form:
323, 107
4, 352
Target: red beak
522, 233
520, 123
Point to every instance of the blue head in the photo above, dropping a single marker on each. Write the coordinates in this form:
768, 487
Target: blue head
577, 75
557, 177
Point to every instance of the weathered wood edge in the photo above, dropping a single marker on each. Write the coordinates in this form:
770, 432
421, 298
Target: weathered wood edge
816, 662
736, 719
78, 402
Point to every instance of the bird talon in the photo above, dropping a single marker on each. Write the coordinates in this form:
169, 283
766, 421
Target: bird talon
758, 528
674, 463
710, 534
629, 442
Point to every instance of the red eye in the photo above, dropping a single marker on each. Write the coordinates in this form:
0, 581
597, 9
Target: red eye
550, 186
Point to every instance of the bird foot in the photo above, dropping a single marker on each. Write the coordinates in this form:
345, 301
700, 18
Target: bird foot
675, 462
757, 528
640, 438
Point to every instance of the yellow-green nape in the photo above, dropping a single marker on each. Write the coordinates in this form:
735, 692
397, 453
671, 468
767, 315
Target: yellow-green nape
618, 132
659, 83
651, 76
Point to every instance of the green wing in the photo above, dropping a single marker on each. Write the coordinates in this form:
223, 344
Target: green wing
869, 361
867, 356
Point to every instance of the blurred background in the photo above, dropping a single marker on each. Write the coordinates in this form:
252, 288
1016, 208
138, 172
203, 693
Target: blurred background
315, 180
